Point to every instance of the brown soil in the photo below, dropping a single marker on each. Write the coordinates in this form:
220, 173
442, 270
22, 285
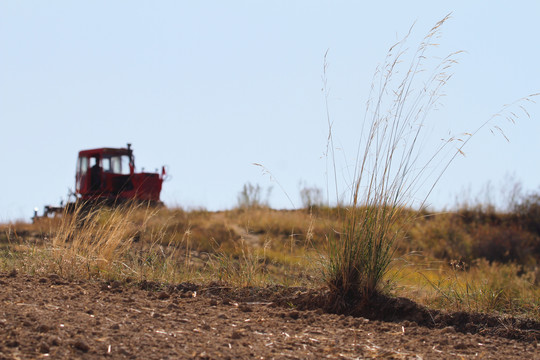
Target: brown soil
61, 319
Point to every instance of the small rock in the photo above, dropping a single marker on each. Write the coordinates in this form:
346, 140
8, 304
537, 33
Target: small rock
12, 343
54, 341
123, 351
294, 314
236, 334
448, 330
408, 323
187, 294
115, 326
43, 328
82, 345
360, 321
162, 295
244, 308
43, 348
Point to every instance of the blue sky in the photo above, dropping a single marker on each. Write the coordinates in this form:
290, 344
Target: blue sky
210, 87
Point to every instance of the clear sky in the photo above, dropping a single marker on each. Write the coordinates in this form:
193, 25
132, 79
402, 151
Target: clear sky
210, 87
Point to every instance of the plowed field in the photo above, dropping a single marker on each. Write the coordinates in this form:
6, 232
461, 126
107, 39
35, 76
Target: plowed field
61, 319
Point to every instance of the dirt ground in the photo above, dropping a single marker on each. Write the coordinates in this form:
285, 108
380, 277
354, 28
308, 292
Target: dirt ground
50, 317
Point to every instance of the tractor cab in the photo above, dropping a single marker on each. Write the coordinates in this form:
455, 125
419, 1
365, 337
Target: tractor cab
108, 174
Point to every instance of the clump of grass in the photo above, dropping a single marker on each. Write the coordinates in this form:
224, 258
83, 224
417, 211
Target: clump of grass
394, 162
441, 236
93, 240
90, 240
477, 286
99, 242
243, 267
477, 233
389, 169
311, 196
251, 197
286, 228
485, 287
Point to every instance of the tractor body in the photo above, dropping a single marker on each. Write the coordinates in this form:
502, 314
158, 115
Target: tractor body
108, 175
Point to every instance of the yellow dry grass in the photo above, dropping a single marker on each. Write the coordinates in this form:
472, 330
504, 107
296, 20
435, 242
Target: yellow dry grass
135, 244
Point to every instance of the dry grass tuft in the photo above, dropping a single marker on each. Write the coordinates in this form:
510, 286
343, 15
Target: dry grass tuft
389, 170
394, 162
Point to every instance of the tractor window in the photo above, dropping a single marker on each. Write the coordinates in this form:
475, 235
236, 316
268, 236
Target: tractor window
82, 165
120, 164
94, 161
106, 164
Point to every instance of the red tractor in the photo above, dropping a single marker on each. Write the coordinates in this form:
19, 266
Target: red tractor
107, 176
